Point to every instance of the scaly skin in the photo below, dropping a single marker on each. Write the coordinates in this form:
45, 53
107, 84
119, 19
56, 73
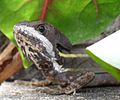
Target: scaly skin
40, 43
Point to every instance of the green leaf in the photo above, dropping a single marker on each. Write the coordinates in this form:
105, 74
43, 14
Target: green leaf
78, 19
107, 53
14, 11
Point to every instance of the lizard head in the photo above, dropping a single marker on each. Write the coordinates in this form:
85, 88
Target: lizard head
40, 40
30, 36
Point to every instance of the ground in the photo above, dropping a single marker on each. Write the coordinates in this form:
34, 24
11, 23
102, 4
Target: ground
12, 91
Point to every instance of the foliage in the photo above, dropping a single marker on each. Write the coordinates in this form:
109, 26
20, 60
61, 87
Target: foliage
14, 11
76, 18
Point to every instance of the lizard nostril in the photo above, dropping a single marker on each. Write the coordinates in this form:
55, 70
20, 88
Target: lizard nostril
26, 44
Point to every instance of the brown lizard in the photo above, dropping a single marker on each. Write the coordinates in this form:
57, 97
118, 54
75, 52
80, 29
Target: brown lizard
40, 43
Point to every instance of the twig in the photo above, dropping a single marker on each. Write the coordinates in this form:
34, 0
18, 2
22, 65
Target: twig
44, 9
10, 62
96, 6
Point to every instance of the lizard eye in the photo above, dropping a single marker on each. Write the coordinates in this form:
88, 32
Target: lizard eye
41, 28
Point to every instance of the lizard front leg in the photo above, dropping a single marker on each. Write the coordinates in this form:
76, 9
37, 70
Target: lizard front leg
69, 82
79, 82
65, 85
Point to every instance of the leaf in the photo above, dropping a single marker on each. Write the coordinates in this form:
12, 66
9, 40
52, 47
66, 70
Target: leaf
78, 19
14, 11
107, 53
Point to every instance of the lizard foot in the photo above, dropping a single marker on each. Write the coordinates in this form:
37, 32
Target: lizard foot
80, 82
77, 84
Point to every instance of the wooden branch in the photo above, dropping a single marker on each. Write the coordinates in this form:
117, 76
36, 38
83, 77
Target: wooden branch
10, 62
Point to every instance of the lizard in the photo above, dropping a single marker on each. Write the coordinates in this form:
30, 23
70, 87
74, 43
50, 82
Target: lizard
40, 43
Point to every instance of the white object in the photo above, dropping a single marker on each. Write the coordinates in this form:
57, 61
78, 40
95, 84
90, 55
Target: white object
108, 49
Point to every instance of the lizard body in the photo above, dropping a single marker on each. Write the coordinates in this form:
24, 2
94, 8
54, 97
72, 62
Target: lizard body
40, 43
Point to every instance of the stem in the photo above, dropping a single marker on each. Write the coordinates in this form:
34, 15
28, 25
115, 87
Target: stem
44, 10
72, 55
96, 6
